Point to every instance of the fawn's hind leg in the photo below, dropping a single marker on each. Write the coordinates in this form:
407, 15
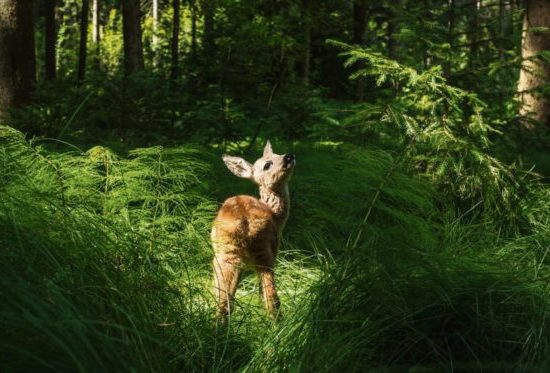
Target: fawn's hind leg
269, 292
227, 270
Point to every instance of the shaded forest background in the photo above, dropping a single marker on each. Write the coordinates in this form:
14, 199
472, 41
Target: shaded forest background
420, 223
223, 71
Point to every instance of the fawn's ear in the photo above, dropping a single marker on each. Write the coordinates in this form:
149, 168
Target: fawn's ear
238, 166
267, 149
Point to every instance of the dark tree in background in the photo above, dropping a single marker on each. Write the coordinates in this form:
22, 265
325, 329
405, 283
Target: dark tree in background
248, 59
50, 39
17, 55
131, 28
306, 60
359, 21
96, 30
535, 71
174, 72
208, 10
360, 9
83, 46
155, 38
193, 6
395, 10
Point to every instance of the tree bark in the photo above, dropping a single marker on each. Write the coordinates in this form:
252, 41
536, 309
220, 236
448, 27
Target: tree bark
393, 28
359, 21
193, 30
155, 39
175, 40
427, 16
155, 22
131, 30
17, 55
450, 37
306, 62
474, 32
208, 9
82, 51
96, 32
96, 35
50, 40
534, 73
358, 37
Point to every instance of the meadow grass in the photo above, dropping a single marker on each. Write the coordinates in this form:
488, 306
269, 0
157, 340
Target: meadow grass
106, 266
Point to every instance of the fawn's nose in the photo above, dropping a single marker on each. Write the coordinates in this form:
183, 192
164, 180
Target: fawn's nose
288, 159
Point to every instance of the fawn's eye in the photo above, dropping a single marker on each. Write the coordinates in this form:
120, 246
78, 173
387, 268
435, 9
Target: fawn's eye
267, 165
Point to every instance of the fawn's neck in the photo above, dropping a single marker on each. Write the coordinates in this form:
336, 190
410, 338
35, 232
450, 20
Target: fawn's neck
278, 201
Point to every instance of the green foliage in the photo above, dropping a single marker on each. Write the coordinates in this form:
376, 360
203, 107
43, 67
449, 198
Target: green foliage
87, 256
416, 239
108, 252
439, 130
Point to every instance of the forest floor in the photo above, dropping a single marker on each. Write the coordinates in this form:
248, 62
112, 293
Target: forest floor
105, 265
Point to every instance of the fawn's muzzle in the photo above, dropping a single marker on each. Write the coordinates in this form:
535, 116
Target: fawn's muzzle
288, 159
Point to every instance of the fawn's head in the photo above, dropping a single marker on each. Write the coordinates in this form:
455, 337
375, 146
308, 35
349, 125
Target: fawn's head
271, 171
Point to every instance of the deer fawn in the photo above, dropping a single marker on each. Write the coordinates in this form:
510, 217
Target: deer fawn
247, 230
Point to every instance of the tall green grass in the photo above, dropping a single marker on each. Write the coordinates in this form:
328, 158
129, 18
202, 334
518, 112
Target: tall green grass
105, 265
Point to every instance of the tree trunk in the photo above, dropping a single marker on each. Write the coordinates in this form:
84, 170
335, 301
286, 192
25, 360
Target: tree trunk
155, 40
209, 8
393, 28
175, 40
358, 37
96, 36
96, 33
359, 21
155, 22
534, 73
17, 55
450, 38
50, 39
474, 33
193, 30
306, 62
427, 16
83, 40
131, 30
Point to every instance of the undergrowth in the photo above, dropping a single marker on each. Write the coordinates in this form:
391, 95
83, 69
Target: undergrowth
409, 246
105, 265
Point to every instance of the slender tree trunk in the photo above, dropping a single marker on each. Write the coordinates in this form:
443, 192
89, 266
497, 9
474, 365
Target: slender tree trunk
428, 17
155, 22
500, 46
535, 72
96, 32
131, 29
96, 36
358, 37
501, 30
474, 33
50, 40
359, 21
450, 37
306, 61
175, 40
82, 52
193, 30
393, 28
155, 40
17, 55
209, 8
